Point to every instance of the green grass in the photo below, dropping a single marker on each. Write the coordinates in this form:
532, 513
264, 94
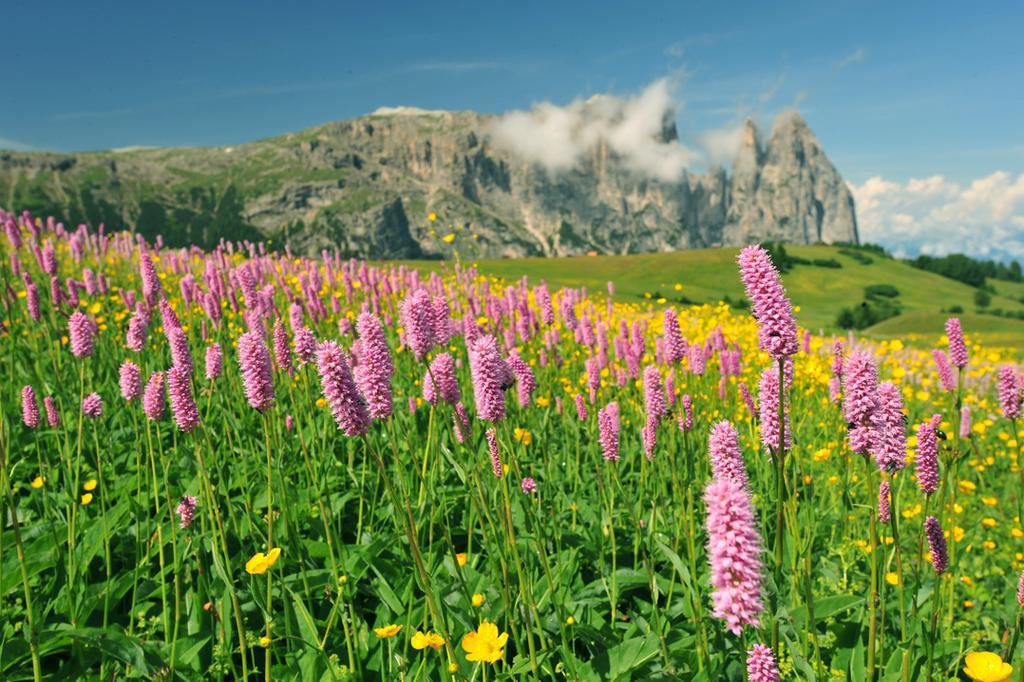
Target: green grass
595, 569
1013, 290
708, 275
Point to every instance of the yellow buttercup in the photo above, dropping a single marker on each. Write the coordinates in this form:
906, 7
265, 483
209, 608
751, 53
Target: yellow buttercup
984, 666
260, 562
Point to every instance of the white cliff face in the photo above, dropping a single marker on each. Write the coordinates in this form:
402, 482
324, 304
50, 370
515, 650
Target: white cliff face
792, 192
366, 186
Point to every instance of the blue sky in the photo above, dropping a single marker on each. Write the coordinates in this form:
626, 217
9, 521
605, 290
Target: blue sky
895, 91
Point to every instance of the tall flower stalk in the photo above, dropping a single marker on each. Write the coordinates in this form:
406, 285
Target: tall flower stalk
776, 337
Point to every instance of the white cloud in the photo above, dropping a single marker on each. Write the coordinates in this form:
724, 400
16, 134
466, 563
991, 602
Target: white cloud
935, 215
676, 49
81, 115
455, 67
559, 137
721, 144
14, 146
769, 94
854, 57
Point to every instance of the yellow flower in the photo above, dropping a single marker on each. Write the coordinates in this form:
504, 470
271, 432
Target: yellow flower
522, 436
570, 621
892, 578
260, 562
448, 238
479, 599
983, 666
38, 481
461, 559
387, 631
485, 644
542, 401
988, 522
422, 641
431, 216
453, 667
87, 498
90, 485
264, 641
911, 512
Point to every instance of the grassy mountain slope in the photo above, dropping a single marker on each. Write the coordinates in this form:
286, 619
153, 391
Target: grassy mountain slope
709, 275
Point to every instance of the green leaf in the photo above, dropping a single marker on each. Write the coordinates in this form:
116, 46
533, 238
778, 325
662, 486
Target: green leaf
857, 663
387, 594
631, 654
677, 563
189, 650
221, 572
307, 626
113, 642
825, 608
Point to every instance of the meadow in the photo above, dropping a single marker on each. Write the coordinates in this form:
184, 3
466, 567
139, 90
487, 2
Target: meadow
243, 464
698, 276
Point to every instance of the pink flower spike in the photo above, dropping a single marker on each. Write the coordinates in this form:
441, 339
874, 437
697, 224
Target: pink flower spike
734, 552
769, 305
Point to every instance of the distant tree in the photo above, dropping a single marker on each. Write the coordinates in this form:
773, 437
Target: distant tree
845, 319
982, 298
968, 270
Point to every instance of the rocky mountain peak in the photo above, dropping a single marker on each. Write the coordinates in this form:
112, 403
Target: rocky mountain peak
799, 195
366, 186
748, 157
669, 133
789, 120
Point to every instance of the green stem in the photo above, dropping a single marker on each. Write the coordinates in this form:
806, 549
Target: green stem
780, 502
873, 558
32, 635
270, 544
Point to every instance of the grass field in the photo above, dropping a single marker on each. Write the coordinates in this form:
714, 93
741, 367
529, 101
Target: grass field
708, 275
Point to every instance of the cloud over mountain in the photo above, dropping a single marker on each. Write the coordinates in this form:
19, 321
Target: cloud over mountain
634, 128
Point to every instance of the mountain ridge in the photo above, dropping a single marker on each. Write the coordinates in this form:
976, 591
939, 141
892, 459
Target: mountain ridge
366, 186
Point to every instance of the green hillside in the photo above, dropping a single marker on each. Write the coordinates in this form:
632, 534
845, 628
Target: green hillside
710, 275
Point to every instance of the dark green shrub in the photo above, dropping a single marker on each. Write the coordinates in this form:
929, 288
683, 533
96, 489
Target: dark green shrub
876, 291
